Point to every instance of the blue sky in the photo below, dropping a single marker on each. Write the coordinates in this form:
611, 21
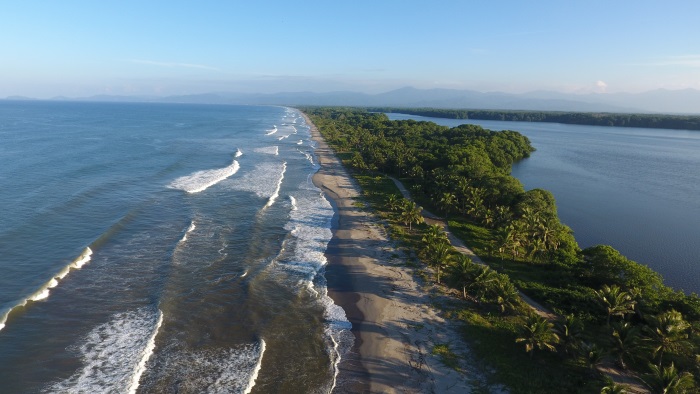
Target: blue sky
79, 48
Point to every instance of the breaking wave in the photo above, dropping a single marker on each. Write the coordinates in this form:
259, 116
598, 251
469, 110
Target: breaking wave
43, 292
276, 193
202, 180
115, 354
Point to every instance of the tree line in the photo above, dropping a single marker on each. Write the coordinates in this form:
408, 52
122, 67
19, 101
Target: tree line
654, 121
611, 308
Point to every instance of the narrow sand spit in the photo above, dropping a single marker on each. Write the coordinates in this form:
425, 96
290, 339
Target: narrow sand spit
394, 324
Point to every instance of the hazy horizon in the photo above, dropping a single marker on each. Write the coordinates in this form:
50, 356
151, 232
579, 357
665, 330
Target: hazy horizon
81, 48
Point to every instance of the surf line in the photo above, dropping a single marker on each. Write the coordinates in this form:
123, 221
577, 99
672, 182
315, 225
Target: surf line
189, 230
44, 291
272, 131
256, 370
147, 353
201, 180
276, 194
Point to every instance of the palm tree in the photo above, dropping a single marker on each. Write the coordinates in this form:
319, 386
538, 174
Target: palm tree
434, 234
503, 215
440, 257
668, 380
483, 281
448, 202
505, 293
593, 356
625, 342
668, 331
570, 331
393, 202
411, 213
537, 333
510, 238
615, 301
463, 272
613, 388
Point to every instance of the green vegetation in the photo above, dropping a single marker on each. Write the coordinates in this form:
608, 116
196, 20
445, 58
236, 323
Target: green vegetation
654, 121
610, 309
448, 357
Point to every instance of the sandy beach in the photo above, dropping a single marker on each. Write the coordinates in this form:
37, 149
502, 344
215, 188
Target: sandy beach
394, 324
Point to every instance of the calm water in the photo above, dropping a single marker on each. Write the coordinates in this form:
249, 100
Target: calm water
635, 189
163, 248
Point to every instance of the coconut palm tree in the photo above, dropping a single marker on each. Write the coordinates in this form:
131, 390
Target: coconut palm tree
483, 281
537, 333
448, 202
593, 356
393, 202
440, 257
668, 332
463, 272
613, 388
616, 301
626, 341
434, 234
411, 213
668, 380
570, 331
505, 294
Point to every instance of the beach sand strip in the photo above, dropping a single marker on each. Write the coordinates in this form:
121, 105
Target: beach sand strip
393, 320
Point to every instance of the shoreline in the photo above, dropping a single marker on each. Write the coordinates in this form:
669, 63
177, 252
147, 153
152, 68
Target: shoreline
394, 325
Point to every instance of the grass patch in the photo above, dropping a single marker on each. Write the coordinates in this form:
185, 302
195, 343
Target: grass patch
446, 356
492, 340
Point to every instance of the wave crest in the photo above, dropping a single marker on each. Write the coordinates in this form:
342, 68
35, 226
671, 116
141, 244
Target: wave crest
202, 180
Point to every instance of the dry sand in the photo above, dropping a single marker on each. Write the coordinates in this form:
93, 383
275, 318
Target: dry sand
394, 324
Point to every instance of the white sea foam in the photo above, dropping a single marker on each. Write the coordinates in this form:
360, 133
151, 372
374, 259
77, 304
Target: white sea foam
244, 274
293, 202
309, 158
40, 295
44, 291
263, 180
201, 180
272, 131
310, 227
300, 142
189, 230
232, 370
276, 193
256, 370
239, 153
84, 258
147, 353
269, 150
114, 354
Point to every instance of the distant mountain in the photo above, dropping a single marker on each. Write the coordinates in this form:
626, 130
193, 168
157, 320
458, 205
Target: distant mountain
664, 101
19, 98
661, 101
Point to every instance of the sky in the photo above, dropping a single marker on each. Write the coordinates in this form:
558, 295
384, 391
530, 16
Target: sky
83, 48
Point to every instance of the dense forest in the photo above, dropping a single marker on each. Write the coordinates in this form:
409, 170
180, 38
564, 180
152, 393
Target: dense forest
654, 121
610, 309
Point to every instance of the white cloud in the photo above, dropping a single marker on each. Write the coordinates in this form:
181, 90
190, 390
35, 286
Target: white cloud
601, 86
170, 64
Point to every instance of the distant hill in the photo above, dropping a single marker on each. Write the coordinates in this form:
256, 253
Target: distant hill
657, 101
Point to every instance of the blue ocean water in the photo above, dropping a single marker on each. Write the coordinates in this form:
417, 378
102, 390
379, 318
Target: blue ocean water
163, 248
633, 188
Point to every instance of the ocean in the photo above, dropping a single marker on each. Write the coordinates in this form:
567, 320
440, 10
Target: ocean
163, 248
633, 188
